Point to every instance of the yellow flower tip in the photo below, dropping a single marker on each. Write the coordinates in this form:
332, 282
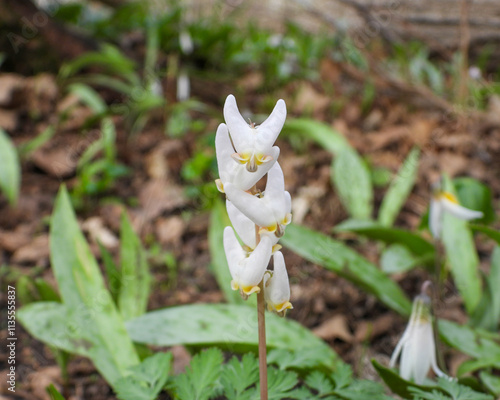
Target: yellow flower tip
234, 285
276, 247
283, 306
262, 159
449, 196
220, 185
268, 229
248, 290
287, 220
240, 158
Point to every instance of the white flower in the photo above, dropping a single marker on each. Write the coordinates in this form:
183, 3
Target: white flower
417, 347
277, 287
441, 202
245, 228
234, 172
272, 211
253, 144
247, 268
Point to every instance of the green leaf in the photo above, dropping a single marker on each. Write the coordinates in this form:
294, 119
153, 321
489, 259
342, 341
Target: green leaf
414, 242
199, 382
218, 221
476, 196
89, 97
135, 275
92, 312
10, 169
146, 379
324, 135
30, 146
399, 190
398, 385
337, 257
351, 178
280, 383
299, 358
472, 342
492, 382
112, 272
490, 232
54, 393
462, 256
237, 376
319, 382
228, 326
487, 314
46, 291
397, 258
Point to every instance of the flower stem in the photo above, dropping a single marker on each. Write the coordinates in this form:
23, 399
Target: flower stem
436, 299
261, 317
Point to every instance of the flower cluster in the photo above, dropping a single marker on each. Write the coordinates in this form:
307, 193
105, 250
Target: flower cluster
245, 154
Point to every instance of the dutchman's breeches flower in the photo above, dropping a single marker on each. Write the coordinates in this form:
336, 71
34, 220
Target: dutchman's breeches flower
416, 346
245, 153
272, 210
247, 269
277, 287
442, 202
253, 144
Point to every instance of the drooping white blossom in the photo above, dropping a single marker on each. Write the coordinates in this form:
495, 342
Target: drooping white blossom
253, 144
442, 202
272, 210
234, 172
247, 269
417, 346
277, 287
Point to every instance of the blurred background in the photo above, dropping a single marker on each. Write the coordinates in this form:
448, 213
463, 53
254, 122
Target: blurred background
120, 100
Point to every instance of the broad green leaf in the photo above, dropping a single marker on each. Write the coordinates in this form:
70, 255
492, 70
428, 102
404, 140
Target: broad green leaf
414, 242
199, 382
490, 232
337, 257
351, 178
146, 379
462, 256
472, 342
10, 169
300, 358
113, 274
229, 326
324, 135
476, 196
397, 258
95, 319
46, 291
135, 276
492, 382
487, 313
218, 221
397, 384
399, 189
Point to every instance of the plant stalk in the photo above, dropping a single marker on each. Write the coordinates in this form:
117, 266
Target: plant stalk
261, 317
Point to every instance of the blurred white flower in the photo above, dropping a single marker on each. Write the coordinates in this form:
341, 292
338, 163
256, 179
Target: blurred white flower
234, 172
475, 73
271, 211
253, 144
247, 268
441, 202
416, 346
186, 42
277, 287
183, 86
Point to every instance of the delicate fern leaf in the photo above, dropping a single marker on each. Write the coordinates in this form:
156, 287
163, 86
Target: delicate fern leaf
319, 382
237, 376
200, 381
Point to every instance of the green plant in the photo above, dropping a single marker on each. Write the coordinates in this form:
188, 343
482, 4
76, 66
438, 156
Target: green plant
10, 169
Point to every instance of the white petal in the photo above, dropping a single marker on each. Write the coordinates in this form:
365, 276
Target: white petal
460, 212
244, 226
234, 253
271, 127
435, 218
279, 287
255, 265
244, 180
422, 351
223, 151
241, 132
253, 207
